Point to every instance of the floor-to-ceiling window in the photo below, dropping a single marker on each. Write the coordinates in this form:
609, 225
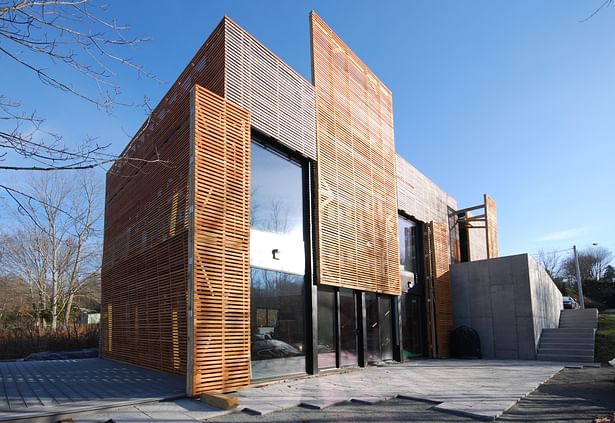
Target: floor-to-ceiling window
413, 294
277, 257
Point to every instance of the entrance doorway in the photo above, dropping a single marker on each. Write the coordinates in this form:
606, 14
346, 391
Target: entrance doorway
379, 327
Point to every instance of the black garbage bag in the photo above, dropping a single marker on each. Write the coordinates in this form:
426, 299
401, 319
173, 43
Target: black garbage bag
465, 343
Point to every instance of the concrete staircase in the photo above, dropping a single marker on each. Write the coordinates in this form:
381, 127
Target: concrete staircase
573, 340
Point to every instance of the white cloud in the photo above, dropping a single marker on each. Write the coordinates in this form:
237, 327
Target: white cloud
562, 235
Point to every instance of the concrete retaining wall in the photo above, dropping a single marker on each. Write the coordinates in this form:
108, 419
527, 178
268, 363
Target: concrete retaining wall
508, 301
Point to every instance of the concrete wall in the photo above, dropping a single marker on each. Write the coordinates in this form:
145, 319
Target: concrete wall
546, 299
508, 301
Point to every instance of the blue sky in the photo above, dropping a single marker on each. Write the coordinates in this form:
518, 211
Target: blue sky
514, 99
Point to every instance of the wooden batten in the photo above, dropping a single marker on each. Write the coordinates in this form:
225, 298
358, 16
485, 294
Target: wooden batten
439, 251
280, 101
491, 224
220, 268
357, 200
145, 254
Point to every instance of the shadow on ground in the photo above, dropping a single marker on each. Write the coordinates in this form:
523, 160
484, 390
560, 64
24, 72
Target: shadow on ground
572, 395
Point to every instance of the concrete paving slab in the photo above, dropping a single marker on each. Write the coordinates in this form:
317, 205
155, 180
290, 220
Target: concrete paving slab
478, 388
483, 388
485, 410
48, 388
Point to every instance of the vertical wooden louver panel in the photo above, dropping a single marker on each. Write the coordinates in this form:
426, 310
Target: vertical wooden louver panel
281, 102
221, 228
357, 203
439, 251
145, 253
492, 227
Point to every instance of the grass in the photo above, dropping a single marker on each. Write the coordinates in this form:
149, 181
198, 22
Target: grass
605, 338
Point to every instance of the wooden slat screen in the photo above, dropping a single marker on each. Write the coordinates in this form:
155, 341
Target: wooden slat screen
145, 252
357, 204
443, 300
492, 227
280, 101
221, 229
420, 197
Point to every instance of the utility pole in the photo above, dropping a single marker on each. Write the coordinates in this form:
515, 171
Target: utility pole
579, 282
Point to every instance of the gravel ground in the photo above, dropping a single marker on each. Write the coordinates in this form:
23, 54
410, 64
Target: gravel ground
573, 395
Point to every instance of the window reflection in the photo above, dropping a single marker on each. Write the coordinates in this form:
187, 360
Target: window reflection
407, 240
276, 209
276, 195
407, 253
278, 336
348, 325
277, 257
326, 328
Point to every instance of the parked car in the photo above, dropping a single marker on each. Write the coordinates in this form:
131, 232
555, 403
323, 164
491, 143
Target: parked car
570, 302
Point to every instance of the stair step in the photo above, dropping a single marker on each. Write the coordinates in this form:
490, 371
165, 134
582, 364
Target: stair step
564, 344
577, 319
581, 310
570, 319
587, 337
577, 326
573, 341
568, 339
566, 351
568, 358
568, 330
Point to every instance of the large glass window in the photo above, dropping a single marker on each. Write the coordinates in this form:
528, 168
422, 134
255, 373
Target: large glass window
412, 286
276, 212
407, 253
277, 257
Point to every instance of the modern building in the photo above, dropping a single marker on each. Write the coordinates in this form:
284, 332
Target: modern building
260, 225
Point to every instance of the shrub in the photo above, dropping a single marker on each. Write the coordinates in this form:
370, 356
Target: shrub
20, 341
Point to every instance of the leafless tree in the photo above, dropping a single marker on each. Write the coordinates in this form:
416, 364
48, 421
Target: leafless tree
13, 301
593, 262
70, 45
551, 261
56, 250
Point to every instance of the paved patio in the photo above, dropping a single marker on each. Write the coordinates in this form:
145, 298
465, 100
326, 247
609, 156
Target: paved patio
34, 389
482, 389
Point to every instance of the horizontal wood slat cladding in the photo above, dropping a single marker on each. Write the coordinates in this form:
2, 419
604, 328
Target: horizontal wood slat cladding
492, 227
419, 197
357, 203
221, 230
145, 253
280, 101
444, 305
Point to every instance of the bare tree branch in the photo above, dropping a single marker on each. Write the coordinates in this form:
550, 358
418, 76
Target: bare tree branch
605, 3
46, 37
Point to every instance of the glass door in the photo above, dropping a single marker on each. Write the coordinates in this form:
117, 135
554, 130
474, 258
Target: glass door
379, 322
348, 328
327, 339
386, 327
